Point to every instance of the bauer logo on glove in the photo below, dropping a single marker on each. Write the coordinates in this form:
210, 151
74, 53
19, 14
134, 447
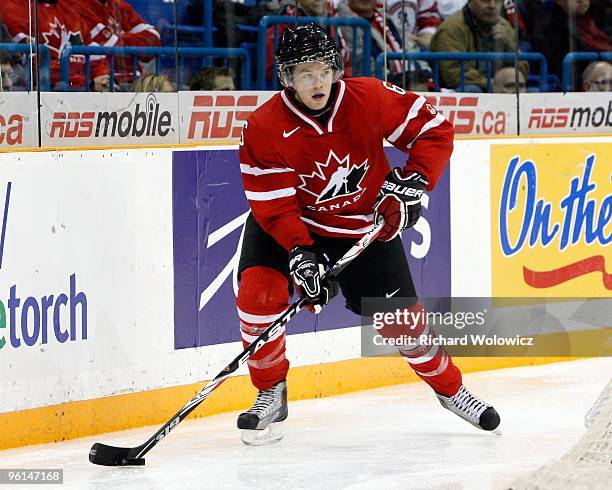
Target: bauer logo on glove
401, 190
307, 265
399, 202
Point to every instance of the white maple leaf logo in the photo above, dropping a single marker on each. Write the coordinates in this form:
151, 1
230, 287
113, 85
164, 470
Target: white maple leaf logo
58, 37
344, 178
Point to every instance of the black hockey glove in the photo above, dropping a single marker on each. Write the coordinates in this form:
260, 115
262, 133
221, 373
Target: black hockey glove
307, 263
399, 202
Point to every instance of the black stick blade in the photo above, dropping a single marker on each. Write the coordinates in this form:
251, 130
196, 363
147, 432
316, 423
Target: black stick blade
113, 456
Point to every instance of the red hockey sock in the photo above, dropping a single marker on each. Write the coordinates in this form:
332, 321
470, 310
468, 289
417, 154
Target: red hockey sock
262, 297
436, 368
430, 362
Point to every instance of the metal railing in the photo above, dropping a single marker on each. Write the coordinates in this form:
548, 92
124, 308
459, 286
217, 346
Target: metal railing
570, 58
29, 52
276, 20
489, 57
157, 53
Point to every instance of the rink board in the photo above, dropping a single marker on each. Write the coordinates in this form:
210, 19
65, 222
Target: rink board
122, 119
154, 407
91, 256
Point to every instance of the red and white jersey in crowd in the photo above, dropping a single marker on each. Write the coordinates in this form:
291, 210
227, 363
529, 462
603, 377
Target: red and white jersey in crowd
116, 23
421, 16
385, 36
300, 177
59, 24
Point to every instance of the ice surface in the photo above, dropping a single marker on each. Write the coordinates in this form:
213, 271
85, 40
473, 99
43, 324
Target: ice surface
397, 437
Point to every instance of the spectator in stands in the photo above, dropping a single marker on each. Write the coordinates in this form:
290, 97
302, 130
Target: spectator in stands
567, 26
305, 8
477, 27
59, 25
6, 72
115, 23
213, 78
597, 77
152, 83
418, 21
421, 19
367, 9
504, 81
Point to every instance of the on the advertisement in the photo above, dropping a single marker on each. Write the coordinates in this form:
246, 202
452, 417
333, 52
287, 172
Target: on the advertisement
551, 219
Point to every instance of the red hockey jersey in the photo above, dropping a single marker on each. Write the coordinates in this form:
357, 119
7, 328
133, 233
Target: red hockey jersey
116, 23
58, 25
300, 177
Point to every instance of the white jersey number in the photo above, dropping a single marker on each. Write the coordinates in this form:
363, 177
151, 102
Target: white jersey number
394, 88
246, 125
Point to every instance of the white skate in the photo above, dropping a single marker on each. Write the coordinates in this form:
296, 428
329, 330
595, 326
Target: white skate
477, 412
262, 423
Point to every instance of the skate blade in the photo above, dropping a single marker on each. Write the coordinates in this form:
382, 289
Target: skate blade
271, 434
497, 431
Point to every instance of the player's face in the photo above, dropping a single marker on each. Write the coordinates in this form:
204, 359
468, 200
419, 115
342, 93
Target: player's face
312, 84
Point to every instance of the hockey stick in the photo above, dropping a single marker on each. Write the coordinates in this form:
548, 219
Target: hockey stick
133, 456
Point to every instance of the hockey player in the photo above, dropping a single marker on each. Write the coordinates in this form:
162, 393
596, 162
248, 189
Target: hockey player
317, 178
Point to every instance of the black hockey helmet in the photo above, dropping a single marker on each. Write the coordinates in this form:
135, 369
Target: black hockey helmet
303, 44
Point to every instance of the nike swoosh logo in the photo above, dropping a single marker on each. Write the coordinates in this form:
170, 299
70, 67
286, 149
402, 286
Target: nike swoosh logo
286, 134
388, 295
